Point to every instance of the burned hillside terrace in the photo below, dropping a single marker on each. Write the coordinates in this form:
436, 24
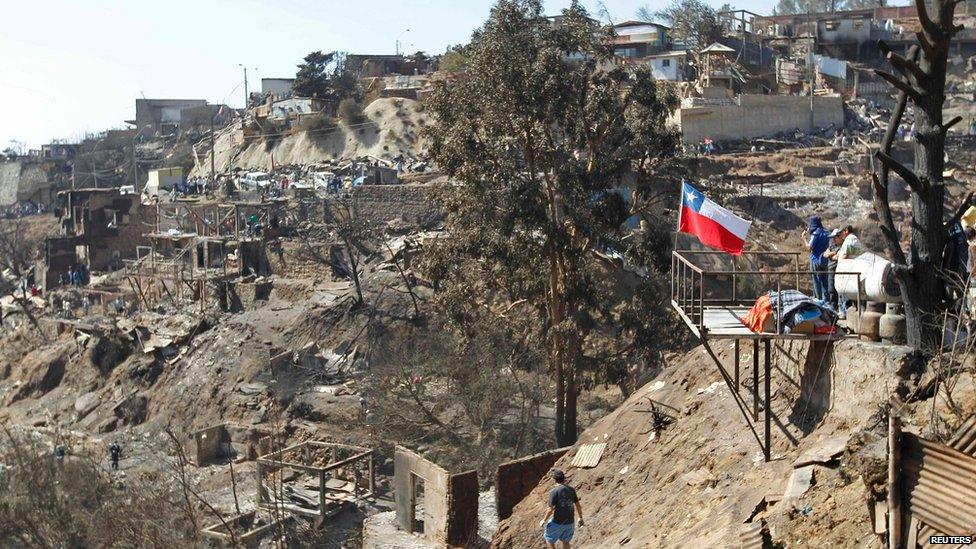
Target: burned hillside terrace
722, 290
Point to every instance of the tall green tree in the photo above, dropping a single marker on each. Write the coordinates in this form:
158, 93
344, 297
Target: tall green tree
693, 23
324, 75
454, 60
312, 78
550, 143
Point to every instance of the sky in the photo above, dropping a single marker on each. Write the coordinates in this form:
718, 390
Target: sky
69, 67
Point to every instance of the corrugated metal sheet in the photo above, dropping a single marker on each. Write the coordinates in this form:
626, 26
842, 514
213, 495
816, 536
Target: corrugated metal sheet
939, 484
752, 536
589, 455
965, 438
926, 532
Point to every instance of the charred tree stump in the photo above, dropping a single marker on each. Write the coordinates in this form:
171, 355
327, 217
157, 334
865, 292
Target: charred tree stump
920, 78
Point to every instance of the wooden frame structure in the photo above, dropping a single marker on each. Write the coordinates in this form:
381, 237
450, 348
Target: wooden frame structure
245, 532
213, 219
187, 271
711, 302
189, 247
340, 459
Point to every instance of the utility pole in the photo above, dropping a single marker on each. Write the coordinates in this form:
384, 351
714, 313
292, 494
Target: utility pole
135, 174
813, 64
213, 178
246, 96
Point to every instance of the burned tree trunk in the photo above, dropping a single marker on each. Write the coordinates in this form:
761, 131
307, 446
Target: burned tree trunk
921, 79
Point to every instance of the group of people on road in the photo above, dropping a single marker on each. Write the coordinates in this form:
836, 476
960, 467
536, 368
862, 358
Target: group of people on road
827, 248
76, 276
22, 209
114, 454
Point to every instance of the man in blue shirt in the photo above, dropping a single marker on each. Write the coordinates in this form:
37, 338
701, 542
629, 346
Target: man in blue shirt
561, 501
818, 240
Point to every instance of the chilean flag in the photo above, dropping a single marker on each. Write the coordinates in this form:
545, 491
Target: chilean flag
712, 224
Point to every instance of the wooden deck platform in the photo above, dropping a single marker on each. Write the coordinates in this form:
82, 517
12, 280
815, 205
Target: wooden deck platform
723, 322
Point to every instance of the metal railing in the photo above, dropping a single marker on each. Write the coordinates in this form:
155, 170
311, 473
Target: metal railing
695, 288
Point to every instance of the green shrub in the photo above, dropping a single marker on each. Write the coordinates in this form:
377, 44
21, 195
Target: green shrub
316, 122
351, 112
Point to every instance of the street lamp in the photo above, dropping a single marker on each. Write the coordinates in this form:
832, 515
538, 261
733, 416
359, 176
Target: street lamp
398, 40
247, 96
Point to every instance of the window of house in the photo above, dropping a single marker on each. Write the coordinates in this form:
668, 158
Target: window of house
859, 24
831, 25
665, 62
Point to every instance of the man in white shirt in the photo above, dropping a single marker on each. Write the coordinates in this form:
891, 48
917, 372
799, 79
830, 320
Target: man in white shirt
851, 246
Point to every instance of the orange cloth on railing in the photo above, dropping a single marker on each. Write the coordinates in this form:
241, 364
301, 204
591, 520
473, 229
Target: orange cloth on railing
760, 316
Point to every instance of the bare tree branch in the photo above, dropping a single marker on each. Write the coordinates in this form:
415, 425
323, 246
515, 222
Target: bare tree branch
928, 25
899, 84
925, 44
970, 200
906, 66
913, 181
955, 120
883, 207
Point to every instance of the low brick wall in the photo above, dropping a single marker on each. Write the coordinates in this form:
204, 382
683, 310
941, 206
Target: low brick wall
384, 203
516, 478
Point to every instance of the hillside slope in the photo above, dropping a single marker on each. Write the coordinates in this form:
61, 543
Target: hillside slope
695, 483
393, 128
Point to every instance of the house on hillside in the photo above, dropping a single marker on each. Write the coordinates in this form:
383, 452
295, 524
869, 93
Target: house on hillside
669, 65
98, 229
281, 88
365, 66
59, 151
163, 115
719, 67
639, 39
296, 107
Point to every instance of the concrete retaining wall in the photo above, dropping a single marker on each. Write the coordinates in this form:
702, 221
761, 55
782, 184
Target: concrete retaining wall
759, 116
516, 478
20, 180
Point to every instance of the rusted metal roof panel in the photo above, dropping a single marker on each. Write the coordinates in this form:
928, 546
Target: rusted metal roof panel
589, 455
939, 484
925, 533
965, 438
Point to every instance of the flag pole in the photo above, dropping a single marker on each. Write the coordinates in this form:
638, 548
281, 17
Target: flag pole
681, 198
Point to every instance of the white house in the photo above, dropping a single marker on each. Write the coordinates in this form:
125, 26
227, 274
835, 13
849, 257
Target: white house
295, 106
669, 65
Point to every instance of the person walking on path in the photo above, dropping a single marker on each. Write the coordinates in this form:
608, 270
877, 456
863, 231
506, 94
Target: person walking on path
114, 453
558, 524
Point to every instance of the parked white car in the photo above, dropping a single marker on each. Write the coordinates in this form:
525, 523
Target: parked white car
255, 180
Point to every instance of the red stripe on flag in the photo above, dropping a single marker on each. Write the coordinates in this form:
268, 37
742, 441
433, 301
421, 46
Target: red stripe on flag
709, 232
